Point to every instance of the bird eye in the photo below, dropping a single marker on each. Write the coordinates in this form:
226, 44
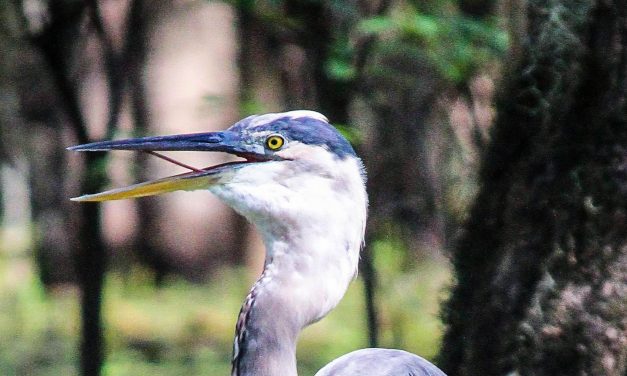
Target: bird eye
275, 142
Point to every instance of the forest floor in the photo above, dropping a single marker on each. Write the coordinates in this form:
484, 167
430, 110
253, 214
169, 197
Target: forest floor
187, 328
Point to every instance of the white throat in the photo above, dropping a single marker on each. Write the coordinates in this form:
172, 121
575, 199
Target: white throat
297, 287
313, 230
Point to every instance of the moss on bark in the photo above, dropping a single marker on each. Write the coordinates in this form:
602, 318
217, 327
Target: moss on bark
541, 267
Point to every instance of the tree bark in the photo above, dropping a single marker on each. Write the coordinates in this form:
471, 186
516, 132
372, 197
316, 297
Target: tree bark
58, 42
541, 267
91, 263
315, 37
147, 248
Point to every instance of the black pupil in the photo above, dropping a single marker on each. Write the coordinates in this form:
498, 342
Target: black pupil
274, 142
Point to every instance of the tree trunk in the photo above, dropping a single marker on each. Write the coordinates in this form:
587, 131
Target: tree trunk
147, 248
541, 267
91, 262
58, 42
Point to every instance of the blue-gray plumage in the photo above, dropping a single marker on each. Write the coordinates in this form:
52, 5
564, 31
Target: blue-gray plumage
306, 129
380, 362
303, 186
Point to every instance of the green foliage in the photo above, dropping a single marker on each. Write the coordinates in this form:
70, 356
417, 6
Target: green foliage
251, 107
36, 335
376, 25
408, 296
340, 69
352, 134
187, 329
455, 44
339, 65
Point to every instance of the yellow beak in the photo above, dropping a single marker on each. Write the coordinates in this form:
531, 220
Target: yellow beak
184, 182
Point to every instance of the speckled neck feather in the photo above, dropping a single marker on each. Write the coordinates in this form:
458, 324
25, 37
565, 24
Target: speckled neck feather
239, 343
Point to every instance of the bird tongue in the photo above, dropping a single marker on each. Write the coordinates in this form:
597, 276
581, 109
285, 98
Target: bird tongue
248, 157
172, 160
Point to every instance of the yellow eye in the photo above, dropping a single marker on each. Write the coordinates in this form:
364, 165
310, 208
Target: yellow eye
275, 142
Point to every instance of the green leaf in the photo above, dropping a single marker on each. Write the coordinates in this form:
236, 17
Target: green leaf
251, 107
352, 134
340, 70
376, 25
422, 28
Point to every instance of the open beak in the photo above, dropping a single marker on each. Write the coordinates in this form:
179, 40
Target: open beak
226, 141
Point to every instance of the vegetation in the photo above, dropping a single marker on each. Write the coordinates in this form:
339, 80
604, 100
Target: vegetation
187, 328
530, 211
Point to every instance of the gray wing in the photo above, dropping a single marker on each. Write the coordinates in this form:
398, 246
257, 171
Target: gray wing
380, 362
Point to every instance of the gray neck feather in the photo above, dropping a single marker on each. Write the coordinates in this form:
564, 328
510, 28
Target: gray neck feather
294, 290
266, 331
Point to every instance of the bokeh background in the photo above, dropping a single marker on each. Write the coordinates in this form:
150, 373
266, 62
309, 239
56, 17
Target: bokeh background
153, 286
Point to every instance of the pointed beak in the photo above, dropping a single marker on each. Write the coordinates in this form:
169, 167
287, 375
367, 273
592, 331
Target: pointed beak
212, 141
226, 141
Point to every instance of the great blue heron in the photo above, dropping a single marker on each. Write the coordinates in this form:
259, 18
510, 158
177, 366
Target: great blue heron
303, 186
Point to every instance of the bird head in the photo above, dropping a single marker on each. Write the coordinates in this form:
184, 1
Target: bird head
294, 165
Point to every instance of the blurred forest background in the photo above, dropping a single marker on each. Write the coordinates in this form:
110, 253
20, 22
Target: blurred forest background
517, 223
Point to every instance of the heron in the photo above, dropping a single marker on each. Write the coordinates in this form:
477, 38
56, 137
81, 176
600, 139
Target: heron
300, 182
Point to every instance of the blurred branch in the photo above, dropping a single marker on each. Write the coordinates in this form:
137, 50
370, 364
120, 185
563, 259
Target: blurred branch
477, 8
245, 59
55, 34
146, 246
365, 45
369, 275
57, 40
115, 79
133, 56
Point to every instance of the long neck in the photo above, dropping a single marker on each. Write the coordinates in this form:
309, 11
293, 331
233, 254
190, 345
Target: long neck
299, 285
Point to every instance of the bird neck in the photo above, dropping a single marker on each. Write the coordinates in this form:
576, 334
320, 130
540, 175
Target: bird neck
299, 285
266, 333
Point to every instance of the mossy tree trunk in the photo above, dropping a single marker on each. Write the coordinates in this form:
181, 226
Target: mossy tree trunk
542, 265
